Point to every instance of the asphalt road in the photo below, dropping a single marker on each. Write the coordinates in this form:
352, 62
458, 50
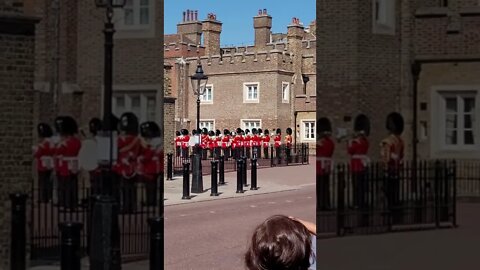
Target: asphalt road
214, 234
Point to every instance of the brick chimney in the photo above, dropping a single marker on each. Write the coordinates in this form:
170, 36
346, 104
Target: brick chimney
211, 34
190, 28
295, 35
263, 25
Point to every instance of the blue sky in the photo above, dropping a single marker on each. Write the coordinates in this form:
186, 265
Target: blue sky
237, 16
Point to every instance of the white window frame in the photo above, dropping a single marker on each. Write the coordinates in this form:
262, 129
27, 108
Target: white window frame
205, 121
438, 145
136, 30
244, 126
245, 92
202, 97
136, 15
304, 132
144, 95
286, 94
386, 23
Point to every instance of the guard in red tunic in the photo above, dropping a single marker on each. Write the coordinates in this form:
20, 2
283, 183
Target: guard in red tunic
185, 143
125, 166
288, 144
247, 143
358, 150
226, 144
204, 143
266, 143
43, 153
66, 156
278, 145
211, 143
392, 151
324, 153
255, 142
218, 143
238, 141
178, 143
150, 161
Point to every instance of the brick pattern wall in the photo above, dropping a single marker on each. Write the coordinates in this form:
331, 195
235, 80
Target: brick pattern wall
16, 114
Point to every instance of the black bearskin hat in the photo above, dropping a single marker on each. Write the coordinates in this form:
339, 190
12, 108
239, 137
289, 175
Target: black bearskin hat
362, 124
324, 125
279, 131
267, 132
217, 132
194, 132
184, 132
239, 130
155, 129
226, 132
95, 125
145, 130
254, 131
44, 130
177, 133
60, 125
211, 133
247, 131
129, 123
395, 123
205, 131
289, 131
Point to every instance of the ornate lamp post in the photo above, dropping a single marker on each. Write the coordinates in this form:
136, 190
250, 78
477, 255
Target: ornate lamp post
199, 83
105, 232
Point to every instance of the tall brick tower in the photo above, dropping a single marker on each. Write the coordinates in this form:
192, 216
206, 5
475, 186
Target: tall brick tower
263, 25
190, 28
211, 34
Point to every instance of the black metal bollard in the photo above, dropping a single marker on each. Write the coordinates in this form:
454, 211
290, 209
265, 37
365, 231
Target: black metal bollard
272, 164
70, 248
254, 175
169, 166
244, 174
213, 176
156, 243
186, 181
18, 236
221, 170
239, 175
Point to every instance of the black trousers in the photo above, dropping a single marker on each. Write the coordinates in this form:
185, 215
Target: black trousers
95, 183
178, 150
45, 186
323, 191
265, 152
288, 152
129, 195
279, 154
393, 196
151, 184
68, 191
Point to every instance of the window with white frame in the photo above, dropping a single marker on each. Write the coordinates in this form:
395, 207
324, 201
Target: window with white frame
143, 104
458, 119
308, 129
251, 92
208, 124
383, 16
207, 97
285, 92
137, 14
251, 123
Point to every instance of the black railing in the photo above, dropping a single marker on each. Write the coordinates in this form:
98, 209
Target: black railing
378, 199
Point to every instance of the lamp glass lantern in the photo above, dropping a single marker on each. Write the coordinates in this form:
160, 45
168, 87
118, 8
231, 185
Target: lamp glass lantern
110, 3
305, 78
199, 81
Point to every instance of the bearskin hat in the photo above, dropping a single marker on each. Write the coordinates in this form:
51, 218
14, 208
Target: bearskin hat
60, 125
184, 132
155, 129
395, 123
267, 132
239, 130
145, 130
95, 125
194, 132
247, 131
129, 123
324, 125
177, 133
211, 133
205, 131
279, 131
259, 131
71, 127
226, 132
362, 124
44, 130
254, 131
289, 131
217, 132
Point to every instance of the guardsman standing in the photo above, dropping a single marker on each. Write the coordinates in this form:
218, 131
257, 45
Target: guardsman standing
288, 144
43, 153
149, 159
358, 149
211, 142
238, 140
66, 155
94, 126
325, 149
392, 152
247, 142
185, 141
178, 143
255, 143
226, 143
218, 143
266, 143
126, 167
278, 145
204, 143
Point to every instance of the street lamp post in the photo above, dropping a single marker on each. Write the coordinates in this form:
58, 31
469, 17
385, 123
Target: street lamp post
199, 83
305, 80
105, 231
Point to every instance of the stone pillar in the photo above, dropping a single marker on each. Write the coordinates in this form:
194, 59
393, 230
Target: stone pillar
211, 35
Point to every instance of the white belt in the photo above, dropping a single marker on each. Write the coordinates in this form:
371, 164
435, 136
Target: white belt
72, 163
47, 162
324, 160
365, 159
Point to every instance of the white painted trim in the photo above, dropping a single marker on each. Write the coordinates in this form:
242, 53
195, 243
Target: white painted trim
137, 30
208, 120
242, 126
303, 133
289, 93
209, 101
245, 92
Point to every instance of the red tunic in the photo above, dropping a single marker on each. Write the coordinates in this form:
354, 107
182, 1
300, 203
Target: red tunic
358, 149
324, 151
66, 156
277, 140
204, 141
266, 141
218, 141
128, 151
288, 141
247, 141
43, 154
178, 141
392, 151
185, 141
225, 141
255, 140
150, 161
212, 142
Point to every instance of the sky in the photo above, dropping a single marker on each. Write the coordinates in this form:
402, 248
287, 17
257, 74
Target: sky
237, 16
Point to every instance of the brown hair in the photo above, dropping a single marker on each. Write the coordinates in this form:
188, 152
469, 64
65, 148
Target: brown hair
279, 243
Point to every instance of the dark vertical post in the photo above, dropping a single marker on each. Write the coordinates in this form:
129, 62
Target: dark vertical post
244, 174
70, 248
169, 166
239, 175
221, 172
156, 243
213, 177
454, 198
416, 69
197, 182
253, 169
271, 157
18, 236
186, 181
436, 183
340, 198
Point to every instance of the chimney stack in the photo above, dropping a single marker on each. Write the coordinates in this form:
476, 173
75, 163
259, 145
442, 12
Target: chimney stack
211, 34
263, 25
190, 28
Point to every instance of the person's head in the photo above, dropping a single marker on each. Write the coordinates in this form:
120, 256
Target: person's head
279, 243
